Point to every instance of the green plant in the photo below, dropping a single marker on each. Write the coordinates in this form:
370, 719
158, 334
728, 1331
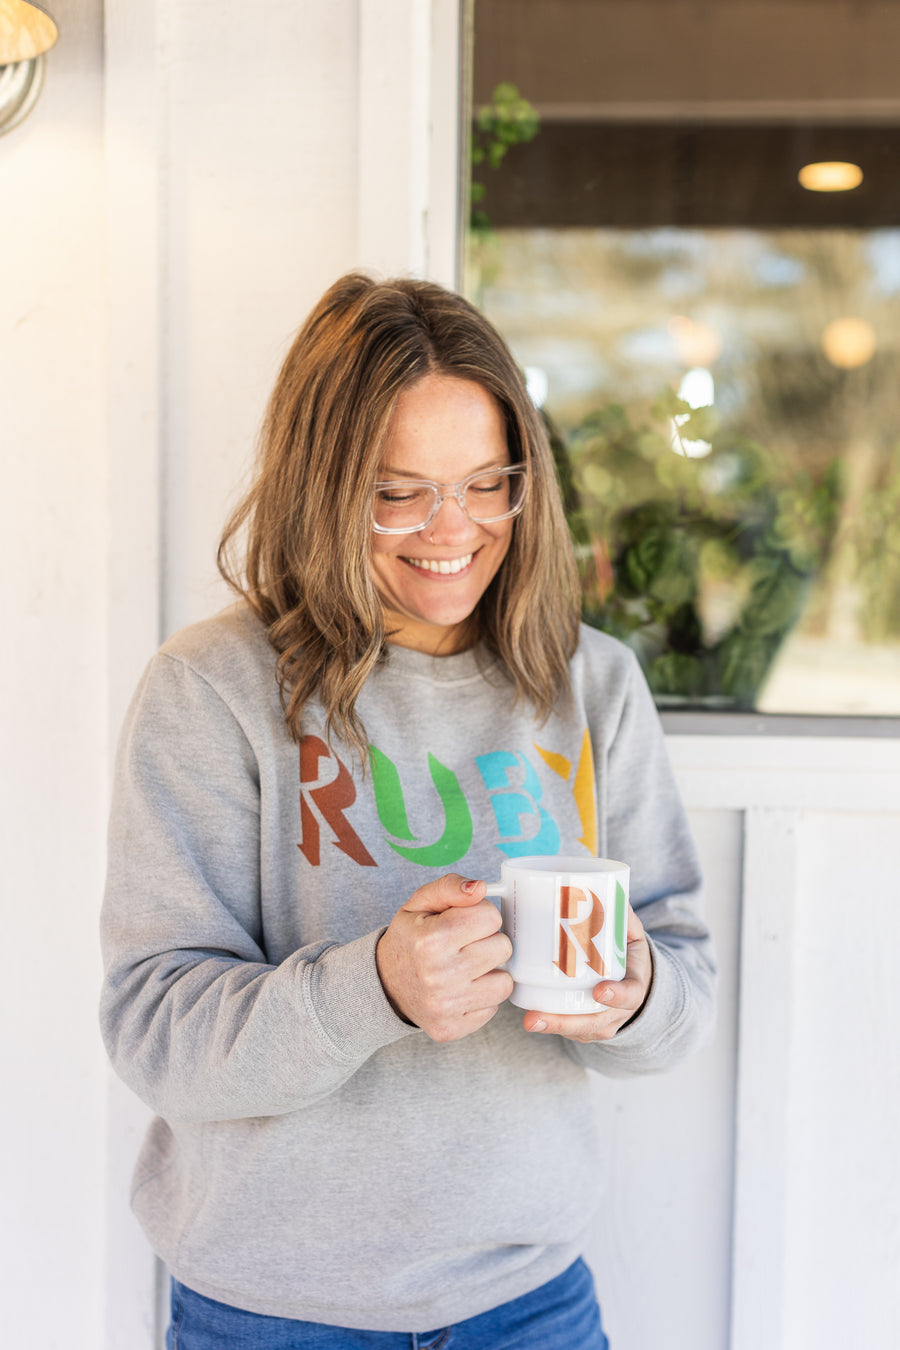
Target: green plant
506, 121
702, 564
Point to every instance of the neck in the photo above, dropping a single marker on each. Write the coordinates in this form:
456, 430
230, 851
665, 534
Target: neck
430, 639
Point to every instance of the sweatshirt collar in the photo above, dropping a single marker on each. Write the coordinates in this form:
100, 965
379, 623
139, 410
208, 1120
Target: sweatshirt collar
474, 663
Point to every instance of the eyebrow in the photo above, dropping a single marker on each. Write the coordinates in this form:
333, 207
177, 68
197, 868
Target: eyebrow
390, 472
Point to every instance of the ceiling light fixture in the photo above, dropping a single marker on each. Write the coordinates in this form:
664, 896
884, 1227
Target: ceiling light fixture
832, 175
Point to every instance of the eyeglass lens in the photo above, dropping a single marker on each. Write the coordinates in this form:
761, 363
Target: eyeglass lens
487, 497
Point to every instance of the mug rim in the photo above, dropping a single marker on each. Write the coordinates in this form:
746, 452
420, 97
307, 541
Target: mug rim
569, 863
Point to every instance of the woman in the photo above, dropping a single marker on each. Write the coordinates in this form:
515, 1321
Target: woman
358, 1141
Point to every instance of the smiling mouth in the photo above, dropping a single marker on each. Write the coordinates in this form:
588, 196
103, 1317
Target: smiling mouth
446, 566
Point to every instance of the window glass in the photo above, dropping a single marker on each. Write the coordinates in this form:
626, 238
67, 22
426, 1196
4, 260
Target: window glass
709, 325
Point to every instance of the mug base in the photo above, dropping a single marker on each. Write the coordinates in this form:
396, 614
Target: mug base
537, 998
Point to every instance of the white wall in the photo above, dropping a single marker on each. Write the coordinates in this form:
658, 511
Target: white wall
53, 696
816, 1240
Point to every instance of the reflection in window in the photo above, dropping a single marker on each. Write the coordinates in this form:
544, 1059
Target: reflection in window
713, 344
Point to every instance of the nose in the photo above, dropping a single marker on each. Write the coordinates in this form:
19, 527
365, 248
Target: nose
449, 523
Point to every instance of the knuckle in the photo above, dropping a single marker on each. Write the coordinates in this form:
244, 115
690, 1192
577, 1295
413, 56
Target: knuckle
429, 984
431, 943
492, 915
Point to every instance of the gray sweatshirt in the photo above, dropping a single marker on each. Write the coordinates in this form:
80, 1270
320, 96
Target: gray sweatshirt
313, 1156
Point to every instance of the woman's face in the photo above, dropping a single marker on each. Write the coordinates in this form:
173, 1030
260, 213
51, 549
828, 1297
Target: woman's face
443, 429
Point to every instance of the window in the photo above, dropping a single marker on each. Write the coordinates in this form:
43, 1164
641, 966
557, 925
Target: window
710, 332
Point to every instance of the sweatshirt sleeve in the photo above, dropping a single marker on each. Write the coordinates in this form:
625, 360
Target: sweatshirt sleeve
646, 827
196, 1020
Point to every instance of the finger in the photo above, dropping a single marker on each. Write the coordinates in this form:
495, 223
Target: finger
457, 945
487, 953
468, 1009
490, 990
448, 892
631, 992
455, 930
474, 924
598, 1026
472, 1021
635, 929
624, 994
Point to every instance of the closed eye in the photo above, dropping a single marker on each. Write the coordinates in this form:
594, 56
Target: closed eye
400, 496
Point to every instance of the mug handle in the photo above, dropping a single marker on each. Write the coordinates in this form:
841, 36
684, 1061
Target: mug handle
496, 888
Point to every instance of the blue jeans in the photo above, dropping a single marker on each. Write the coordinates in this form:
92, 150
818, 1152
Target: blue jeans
560, 1315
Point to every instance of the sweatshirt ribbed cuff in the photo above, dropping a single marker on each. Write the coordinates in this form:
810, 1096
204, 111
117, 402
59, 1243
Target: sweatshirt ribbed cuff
348, 1002
664, 1008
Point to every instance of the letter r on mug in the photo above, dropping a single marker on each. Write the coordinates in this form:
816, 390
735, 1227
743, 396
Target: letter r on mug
579, 921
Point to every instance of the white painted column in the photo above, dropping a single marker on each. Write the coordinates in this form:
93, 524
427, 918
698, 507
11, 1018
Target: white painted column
250, 160
409, 119
766, 1013
135, 108
136, 185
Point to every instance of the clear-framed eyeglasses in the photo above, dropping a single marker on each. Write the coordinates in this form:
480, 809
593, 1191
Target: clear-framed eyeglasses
406, 505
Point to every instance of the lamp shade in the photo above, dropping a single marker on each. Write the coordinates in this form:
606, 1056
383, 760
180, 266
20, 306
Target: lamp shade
26, 31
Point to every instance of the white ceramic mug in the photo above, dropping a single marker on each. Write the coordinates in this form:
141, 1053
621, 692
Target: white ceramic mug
566, 918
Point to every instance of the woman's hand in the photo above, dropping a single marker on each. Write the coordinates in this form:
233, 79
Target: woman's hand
622, 999
437, 960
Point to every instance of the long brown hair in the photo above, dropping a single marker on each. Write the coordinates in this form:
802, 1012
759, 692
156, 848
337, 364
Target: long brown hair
305, 525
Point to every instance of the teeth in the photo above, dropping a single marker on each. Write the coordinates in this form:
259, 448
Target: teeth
445, 566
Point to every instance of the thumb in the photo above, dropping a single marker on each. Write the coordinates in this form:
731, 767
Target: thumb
449, 892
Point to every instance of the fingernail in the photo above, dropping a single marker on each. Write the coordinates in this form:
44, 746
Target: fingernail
539, 1026
469, 886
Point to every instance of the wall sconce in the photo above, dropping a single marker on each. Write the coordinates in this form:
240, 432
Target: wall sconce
26, 32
